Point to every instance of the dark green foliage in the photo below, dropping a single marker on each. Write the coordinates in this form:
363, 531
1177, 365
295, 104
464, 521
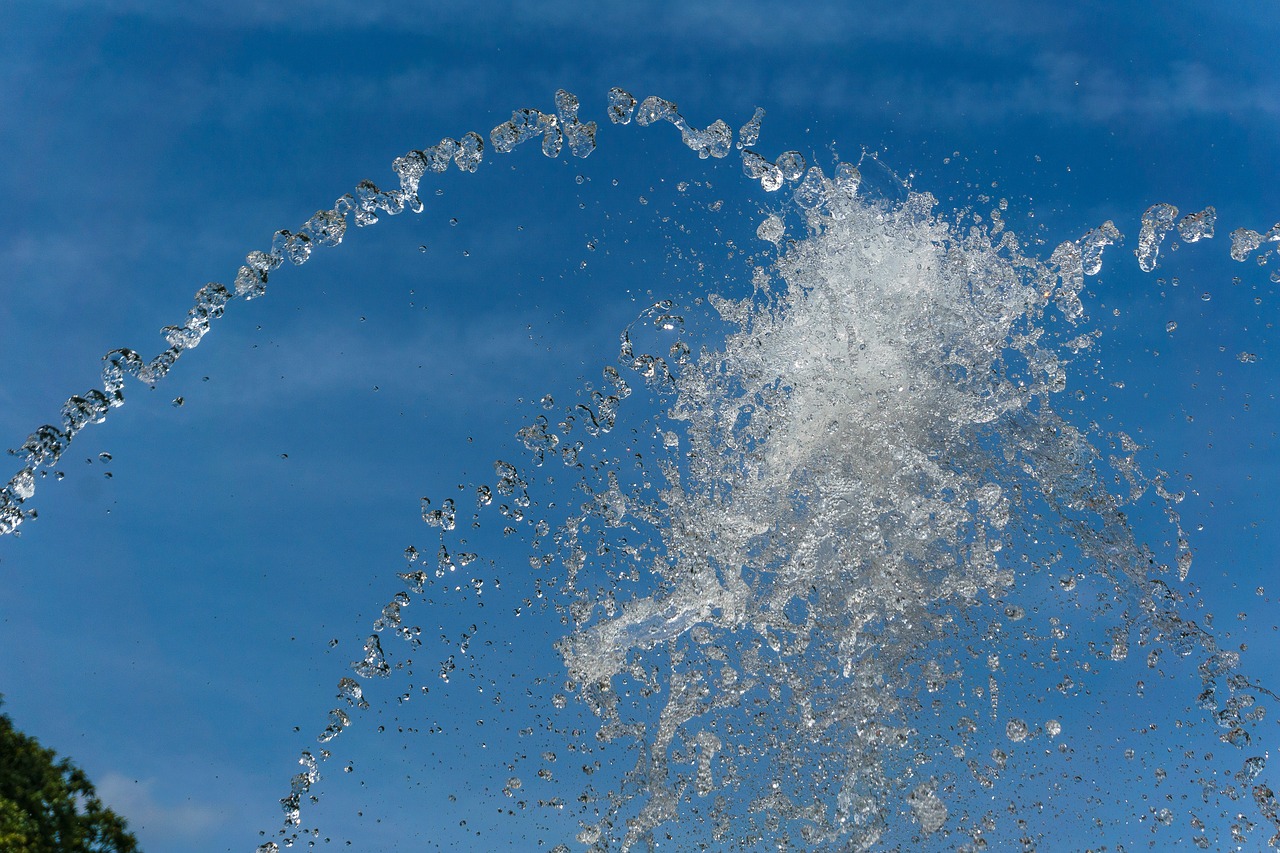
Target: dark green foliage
49, 806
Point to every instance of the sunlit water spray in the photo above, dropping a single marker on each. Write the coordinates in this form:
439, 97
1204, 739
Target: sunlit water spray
799, 604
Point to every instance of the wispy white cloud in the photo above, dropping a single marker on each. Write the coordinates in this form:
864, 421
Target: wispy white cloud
944, 62
1060, 87
160, 819
748, 24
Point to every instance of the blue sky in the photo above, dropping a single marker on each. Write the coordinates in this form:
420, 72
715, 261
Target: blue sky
169, 626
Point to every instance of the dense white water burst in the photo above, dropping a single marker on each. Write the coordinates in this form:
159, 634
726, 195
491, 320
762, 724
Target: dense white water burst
808, 599
868, 464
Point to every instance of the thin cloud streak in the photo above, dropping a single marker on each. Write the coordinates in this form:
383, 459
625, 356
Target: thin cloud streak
155, 819
1061, 87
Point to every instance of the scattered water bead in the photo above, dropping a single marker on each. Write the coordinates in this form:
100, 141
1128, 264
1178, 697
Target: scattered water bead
791, 164
268, 261
470, 152
714, 141
390, 617
771, 229
78, 412
928, 810
369, 200
812, 192
1070, 268
338, 720
749, 133
415, 580
300, 785
1119, 644
374, 664
438, 156
11, 514
115, 366
620, 106
1252, 767
410, 168
1016, 730
580, 136
1092, 244
1171, 326
654, 109
445, 517
23, 484
210, 304
755, 166
1156, 223
250, 283
44, 447
326, 227
845, 182
1243, 242
1195, 227
1053, 728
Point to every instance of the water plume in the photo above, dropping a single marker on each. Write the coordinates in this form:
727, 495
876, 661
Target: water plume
853, 478
812, 604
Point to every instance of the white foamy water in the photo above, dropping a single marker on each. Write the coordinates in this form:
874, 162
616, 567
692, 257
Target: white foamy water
871, 460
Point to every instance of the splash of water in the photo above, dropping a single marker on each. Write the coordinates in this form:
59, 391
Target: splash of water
845, 490
871, 459
842, 490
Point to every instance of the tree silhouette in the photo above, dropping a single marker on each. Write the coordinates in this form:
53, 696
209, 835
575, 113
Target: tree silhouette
49, 806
